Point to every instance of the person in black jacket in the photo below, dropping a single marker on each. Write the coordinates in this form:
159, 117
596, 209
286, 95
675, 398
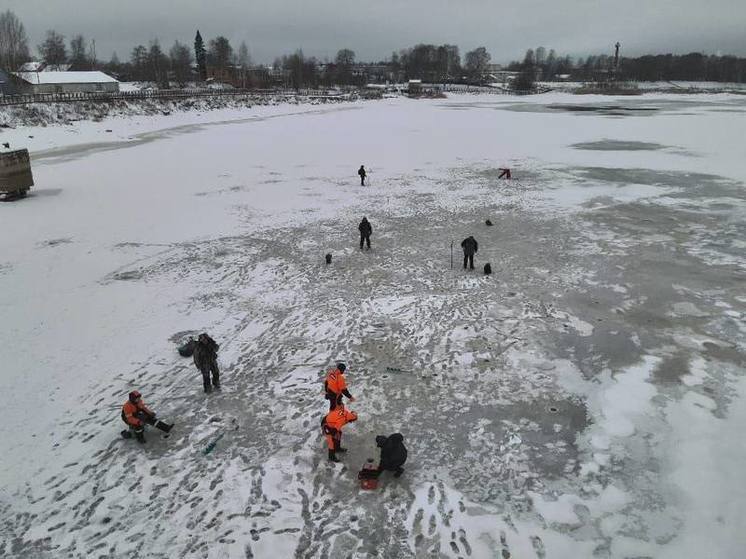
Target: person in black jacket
470, 249
365, 230
206, 360
361, 172
393, 453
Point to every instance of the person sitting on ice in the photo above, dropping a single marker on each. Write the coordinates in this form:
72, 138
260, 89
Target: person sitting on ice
136, 414
393, 453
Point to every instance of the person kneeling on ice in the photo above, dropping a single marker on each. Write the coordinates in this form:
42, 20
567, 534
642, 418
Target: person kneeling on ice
136, 414
206, 360
331, 426
393, 453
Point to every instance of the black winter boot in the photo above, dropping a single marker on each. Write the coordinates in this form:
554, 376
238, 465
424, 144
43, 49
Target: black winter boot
333, 457
207, 387
140, 436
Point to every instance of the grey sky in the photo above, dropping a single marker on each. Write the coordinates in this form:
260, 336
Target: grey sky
374, 28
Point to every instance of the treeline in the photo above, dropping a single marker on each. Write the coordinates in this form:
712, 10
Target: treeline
694, 66
218, 60
440, 63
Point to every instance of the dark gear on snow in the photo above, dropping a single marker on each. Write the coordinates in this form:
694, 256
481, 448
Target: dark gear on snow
393, 453
206, 360
365, 229
488, 223
504, 172
328, 258
470, 247
361, 172
487, 269
187, 348
368, 476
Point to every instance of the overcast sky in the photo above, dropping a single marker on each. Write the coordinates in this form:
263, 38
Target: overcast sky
374, 28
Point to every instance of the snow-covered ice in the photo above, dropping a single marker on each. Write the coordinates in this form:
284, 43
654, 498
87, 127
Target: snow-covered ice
584, 400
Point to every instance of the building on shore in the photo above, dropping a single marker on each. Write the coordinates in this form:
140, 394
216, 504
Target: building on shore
64, 82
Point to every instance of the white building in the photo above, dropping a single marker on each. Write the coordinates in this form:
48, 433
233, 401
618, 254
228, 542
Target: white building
65, 82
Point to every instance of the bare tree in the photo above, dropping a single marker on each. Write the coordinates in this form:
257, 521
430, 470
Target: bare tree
78, 57
14, 49
449, 63
139, 61
92, 57
541, 55
158, 64
220, 53
244, 63
344, 63
477, 61
529, 59
53, 50
181, 62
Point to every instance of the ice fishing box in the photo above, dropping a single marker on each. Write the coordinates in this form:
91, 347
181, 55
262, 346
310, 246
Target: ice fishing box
15, 174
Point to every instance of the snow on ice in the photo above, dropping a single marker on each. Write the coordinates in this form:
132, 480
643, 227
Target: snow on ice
585, 400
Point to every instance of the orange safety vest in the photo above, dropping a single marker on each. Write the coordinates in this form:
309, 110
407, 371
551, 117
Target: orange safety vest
333, 423
129, 410
335, 382
339, 417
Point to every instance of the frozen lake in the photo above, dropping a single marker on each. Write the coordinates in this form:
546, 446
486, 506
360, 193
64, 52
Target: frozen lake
585, 400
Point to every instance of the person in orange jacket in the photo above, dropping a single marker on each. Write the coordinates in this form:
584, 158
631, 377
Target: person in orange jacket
331, 426
335, 386
136, 414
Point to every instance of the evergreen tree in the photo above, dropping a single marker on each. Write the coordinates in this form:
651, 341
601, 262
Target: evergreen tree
200, 55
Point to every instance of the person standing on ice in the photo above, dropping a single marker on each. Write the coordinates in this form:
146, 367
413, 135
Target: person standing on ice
136, 414
206, 360
331, 426
365, 229
470, 247
335, 386
361, 172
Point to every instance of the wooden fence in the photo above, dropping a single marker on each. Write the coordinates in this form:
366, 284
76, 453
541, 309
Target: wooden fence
30, 98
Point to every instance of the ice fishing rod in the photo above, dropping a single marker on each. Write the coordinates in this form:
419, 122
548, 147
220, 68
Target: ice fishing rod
209, 448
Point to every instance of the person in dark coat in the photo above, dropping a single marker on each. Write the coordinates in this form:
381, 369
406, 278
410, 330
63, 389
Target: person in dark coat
470, 249
361, 172
206, 360
393, 453
365, 229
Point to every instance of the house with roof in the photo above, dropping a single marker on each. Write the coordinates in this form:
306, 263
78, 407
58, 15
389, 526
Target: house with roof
64, 82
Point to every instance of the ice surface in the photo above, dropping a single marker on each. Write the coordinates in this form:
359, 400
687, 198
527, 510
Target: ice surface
583, 401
